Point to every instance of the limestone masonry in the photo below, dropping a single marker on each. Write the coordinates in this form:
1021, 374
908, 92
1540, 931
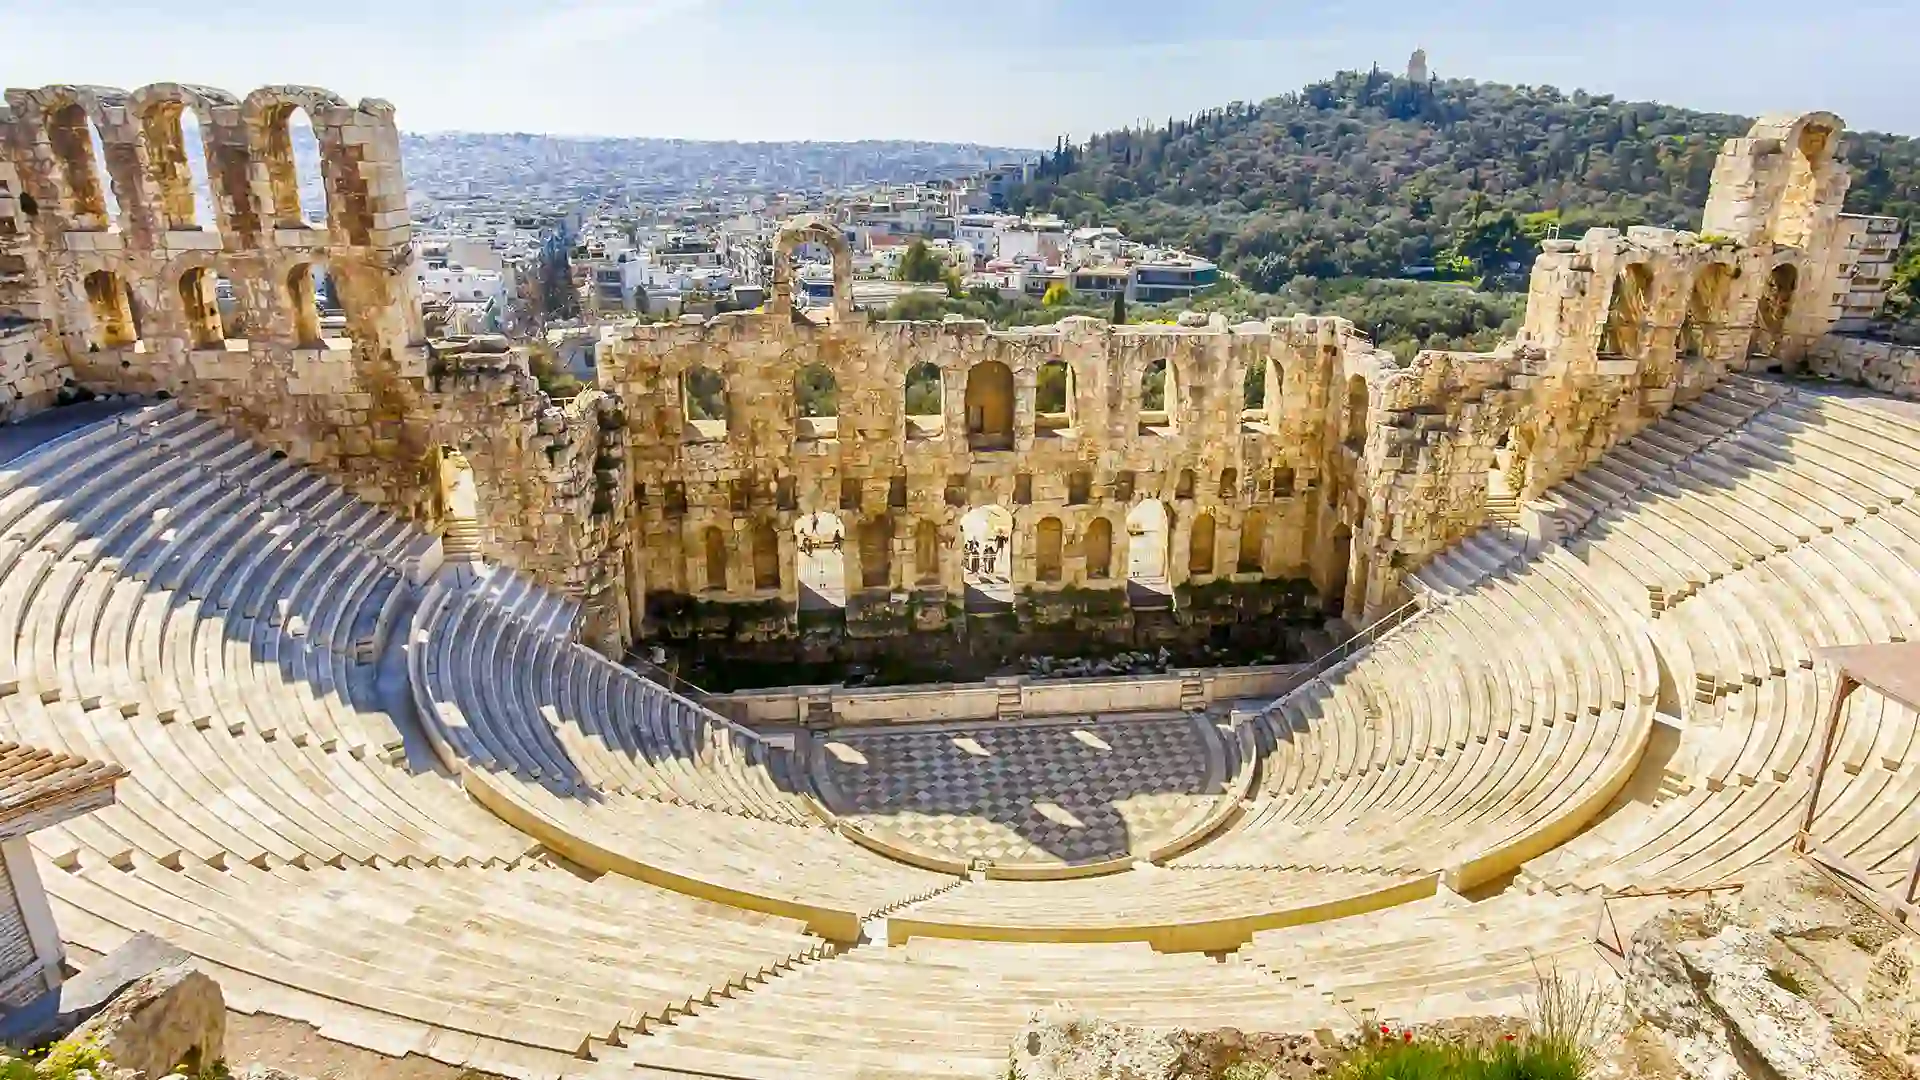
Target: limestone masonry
688, 490
341, 601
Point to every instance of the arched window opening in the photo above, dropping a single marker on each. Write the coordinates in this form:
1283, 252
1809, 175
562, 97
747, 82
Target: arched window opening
293, 169
1047, 542
1706, 311
1775, 305
876, 553
1229, 484
1183, 487
1053, 398
1096, 547
112, 311
1253, 544
1157, 406
303, 304
766, 557
78, 149
990, 406
714, 544
1357, 413
986, 566
819, 538
1627, 312
925, 402
176, 153
1200, 546
926, 553
817, 397
1148, 544
199, 300
705, 394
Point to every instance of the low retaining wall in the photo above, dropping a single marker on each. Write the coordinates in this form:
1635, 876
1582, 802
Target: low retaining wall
1000, 697
1882, 365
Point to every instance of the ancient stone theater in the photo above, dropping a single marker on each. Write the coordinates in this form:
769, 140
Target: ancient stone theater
350, 604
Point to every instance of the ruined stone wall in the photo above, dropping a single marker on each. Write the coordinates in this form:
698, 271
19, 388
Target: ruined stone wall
661, 514
1882, 365
125, 290
753, 476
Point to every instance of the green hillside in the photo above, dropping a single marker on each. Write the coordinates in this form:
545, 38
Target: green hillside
1370, 176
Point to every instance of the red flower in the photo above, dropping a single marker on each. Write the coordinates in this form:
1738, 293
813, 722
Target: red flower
1407, 1035
1384, 1029
1508, 1037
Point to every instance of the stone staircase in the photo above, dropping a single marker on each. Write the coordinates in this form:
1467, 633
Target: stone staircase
460, 542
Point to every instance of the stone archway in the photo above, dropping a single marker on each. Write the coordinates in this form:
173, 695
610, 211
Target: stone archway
986, 558
1149, 549
812, 228
819, 542
990, 406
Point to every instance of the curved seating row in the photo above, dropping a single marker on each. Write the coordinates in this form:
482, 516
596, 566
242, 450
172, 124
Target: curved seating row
1480, 734
621, 775
950, 1009
516, 970
1799, 531
1442, 957
198, 610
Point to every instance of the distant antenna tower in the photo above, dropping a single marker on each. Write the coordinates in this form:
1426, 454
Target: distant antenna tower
1417, 66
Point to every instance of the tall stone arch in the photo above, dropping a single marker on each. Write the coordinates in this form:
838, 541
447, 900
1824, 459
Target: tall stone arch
815, 229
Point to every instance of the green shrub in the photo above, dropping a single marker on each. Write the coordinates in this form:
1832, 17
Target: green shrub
1389, 1055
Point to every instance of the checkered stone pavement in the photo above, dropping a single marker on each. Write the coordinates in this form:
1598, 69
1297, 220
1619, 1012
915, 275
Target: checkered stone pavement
1035, 793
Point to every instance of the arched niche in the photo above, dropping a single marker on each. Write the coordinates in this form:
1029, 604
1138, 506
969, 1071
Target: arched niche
1048, 544
926, 552
200, 307
109, 304
876, 552
1624, 333
713, 548
990, 406
1252, 556
766, 556
1096, 549
1200, 546
1706, 315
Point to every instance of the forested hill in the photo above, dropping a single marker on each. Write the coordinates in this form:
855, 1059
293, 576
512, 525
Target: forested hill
1366, 175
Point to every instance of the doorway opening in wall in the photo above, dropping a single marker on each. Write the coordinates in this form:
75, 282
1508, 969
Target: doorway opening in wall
986, 559
1342, 559
459, 506
1506, 479
819, 549
1148, 548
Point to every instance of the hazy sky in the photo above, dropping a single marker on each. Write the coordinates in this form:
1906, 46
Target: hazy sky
1014, 72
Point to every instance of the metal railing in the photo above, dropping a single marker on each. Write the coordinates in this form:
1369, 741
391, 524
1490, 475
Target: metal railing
1371, 634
